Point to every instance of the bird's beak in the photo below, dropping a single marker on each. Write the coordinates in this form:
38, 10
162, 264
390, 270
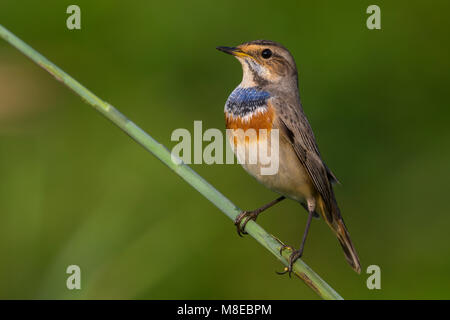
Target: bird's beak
234, 51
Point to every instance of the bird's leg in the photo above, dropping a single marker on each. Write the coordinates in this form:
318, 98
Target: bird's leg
296, 254
252, 215
315, 214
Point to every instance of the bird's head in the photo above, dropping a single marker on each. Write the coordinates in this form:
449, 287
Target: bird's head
265, 64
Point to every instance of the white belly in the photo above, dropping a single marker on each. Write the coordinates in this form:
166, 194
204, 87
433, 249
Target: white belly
290, 178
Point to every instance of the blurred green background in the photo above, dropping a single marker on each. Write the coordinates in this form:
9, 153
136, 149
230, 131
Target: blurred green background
75, 190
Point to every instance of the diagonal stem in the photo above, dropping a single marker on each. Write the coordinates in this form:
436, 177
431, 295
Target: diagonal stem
190, 176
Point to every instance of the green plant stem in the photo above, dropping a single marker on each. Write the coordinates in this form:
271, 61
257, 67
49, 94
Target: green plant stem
190, 176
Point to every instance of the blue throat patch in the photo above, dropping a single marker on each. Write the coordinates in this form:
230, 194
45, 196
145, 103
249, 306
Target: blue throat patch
243, 101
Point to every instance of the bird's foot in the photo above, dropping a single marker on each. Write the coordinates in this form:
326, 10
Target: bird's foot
251, 215
296, 254
246, 216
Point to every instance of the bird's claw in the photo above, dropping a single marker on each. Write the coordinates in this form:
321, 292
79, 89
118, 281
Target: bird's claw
285, 246
246, 216
292, 258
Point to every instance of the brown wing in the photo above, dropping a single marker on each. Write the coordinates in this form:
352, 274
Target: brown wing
292, 121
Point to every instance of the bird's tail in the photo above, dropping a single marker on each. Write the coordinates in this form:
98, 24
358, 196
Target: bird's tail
336, 223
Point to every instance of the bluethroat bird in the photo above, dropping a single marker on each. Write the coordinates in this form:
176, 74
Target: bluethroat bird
268, 98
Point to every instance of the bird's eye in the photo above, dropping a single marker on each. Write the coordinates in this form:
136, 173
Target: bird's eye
266, 53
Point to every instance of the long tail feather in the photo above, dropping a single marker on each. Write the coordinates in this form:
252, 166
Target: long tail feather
336, 223
347, 245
